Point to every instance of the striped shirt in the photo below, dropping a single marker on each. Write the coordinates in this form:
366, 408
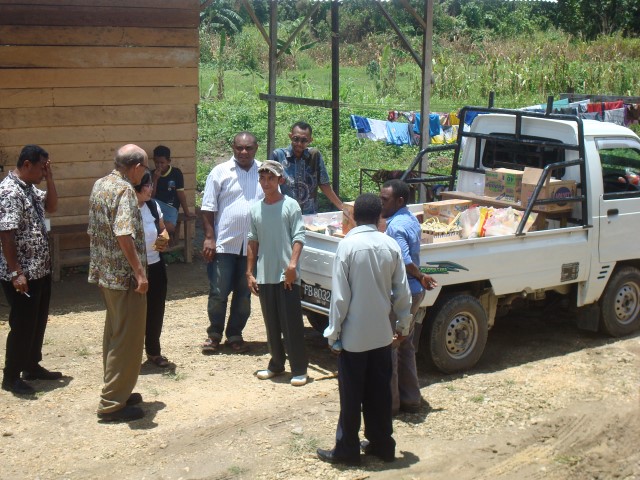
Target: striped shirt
229, 192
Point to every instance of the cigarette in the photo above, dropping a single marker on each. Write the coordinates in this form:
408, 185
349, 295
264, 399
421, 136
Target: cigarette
28, 296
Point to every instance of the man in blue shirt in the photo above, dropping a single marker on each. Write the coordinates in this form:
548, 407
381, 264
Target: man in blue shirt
304, 170
405, 229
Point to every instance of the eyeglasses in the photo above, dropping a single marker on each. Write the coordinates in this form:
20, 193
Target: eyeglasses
297, 139
148, 185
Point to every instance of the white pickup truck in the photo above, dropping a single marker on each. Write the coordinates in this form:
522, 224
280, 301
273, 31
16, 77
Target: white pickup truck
591, 255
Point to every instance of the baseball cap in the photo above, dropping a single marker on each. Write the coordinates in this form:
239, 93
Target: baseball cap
273, 167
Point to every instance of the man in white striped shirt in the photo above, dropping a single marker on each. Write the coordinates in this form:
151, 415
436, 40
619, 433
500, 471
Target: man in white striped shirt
230, 190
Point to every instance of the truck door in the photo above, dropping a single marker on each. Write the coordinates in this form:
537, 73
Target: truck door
620, 202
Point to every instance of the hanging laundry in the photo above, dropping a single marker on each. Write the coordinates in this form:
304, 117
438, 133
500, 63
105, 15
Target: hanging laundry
631, 114
361, 124
398, 133
614, 116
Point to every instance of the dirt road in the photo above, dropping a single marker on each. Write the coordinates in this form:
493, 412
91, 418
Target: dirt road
546, 401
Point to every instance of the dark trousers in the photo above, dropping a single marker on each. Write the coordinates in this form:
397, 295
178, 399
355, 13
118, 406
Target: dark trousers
282, 315
156, 297
27, 321
364, 382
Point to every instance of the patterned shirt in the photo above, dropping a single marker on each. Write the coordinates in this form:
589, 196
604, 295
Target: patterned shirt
303, 176
22, 210
113, 212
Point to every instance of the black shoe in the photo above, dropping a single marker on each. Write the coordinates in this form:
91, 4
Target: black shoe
40, 373
365, 445
19, 387
125, 414
134, 399
330, 457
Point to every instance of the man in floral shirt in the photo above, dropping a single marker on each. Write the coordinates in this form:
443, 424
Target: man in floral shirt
118, 266
25, 266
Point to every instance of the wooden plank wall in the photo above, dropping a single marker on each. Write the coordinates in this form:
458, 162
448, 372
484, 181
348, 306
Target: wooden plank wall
83, 77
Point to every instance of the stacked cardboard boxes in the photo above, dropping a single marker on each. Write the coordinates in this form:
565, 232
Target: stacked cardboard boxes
503, 184
551, 189
445, 210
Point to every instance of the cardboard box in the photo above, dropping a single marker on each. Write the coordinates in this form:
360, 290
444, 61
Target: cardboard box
348, 221
552, 189
503, 183
445, 210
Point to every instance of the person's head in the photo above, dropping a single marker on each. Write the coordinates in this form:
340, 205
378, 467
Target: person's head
245, 146
394, 195
271, 175
301, 136
367, 209
162, 158
132, 161
32, 163
145, 188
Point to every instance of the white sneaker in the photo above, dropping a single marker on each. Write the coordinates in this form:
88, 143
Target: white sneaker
299, 380
266, 374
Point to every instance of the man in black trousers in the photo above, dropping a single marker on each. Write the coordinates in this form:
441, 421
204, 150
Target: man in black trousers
25, 266
368, 268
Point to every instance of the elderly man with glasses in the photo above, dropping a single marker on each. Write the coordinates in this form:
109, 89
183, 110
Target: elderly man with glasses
304, 170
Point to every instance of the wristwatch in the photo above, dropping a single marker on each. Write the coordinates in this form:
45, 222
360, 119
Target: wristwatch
15, 274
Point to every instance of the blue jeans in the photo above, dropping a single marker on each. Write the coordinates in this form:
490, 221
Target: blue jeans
226, 274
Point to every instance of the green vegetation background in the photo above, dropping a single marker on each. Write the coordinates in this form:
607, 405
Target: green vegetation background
516, 49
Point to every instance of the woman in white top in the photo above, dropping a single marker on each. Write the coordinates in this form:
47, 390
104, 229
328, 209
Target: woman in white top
156, 274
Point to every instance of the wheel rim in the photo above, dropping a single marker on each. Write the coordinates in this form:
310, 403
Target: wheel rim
627, 304
462, 335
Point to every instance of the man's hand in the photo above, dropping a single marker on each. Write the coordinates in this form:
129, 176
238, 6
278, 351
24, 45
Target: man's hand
290, 276
428, 282
398, 338
209, 249
142, 284
252, 283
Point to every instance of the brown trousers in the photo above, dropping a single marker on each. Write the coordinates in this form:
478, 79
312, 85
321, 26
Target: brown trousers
122, 346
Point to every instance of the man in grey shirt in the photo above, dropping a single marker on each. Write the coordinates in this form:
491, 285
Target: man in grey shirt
368, 269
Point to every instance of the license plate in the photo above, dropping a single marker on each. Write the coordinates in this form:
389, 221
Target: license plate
316, 295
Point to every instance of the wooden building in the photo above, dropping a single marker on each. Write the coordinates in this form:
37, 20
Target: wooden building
83, 77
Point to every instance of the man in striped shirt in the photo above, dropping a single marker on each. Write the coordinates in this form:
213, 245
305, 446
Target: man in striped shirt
230, 190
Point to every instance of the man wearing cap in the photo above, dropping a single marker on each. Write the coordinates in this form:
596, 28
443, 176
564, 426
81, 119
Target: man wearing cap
276, 238
230, 190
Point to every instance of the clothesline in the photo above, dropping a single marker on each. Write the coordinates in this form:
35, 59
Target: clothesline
443, 127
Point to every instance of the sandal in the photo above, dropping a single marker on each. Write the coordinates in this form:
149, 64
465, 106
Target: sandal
159, 361
210, 345
239, 346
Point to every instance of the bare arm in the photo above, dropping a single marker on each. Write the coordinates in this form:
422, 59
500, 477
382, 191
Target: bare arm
331, 195
252, 255
209, 245
10, 252
425, 280
128, 247
183, 202
290, 274
51, 200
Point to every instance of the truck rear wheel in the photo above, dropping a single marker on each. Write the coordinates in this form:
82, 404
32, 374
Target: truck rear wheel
317, 320
458, 333
620, 303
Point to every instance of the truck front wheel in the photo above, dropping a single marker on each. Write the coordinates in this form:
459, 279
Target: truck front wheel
458, 333
620, 304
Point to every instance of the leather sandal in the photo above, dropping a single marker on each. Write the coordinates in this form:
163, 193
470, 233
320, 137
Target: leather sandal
159, 361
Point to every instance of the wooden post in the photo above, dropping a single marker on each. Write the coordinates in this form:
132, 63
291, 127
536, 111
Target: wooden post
427, 42
335, 96
273, 72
